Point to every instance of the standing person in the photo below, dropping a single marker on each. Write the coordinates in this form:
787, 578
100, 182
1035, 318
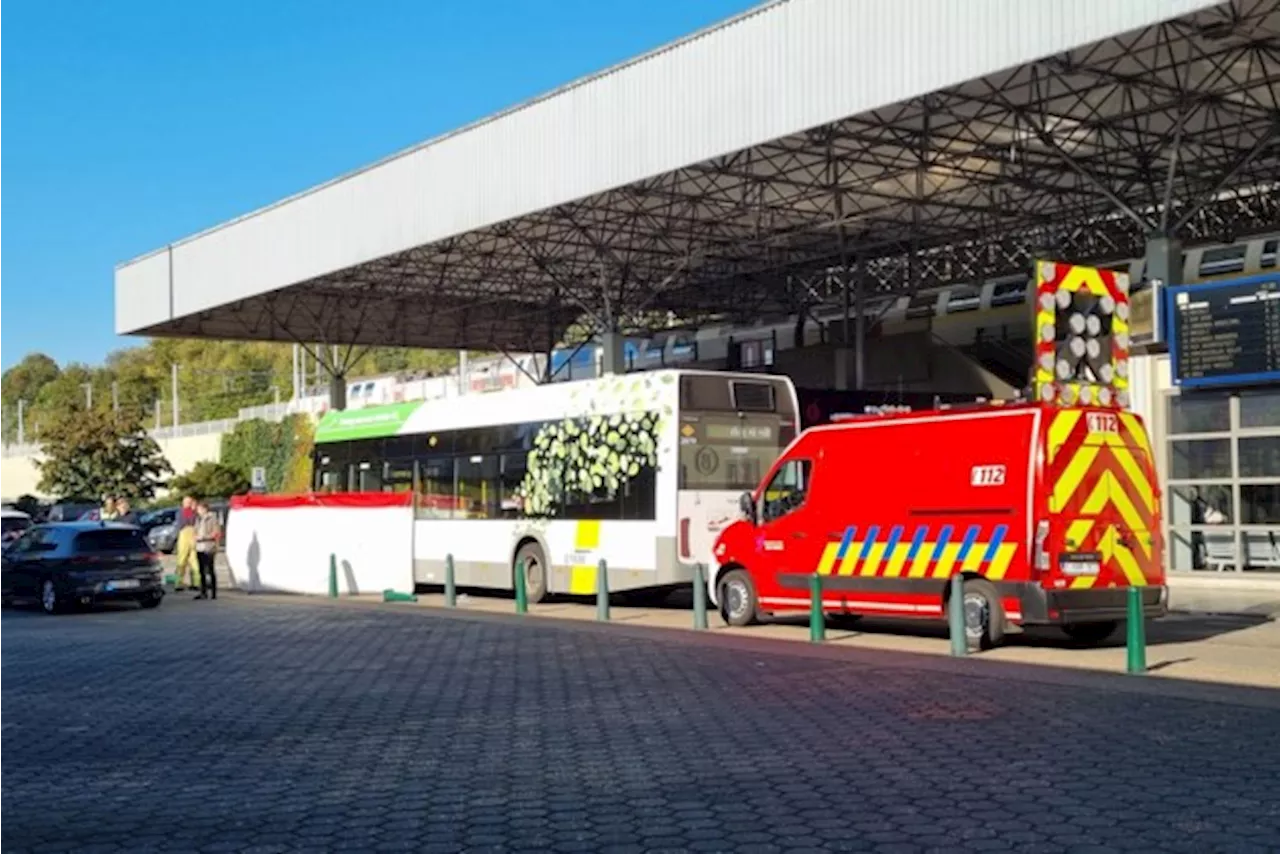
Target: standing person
207, 532
108, 511
188, 567
124, 513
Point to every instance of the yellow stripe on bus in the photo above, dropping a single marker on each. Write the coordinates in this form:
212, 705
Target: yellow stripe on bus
587, 536
582, 580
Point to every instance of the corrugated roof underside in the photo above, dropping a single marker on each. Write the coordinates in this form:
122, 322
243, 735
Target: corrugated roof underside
791, 66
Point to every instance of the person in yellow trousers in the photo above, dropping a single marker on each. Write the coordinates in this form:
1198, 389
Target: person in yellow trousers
188, 566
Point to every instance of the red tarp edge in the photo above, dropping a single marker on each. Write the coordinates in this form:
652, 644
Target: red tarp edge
367, 500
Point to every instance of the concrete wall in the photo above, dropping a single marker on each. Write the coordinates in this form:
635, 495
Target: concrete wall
19, 475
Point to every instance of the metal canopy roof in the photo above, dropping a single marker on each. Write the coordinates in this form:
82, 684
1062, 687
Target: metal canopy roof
1108, 122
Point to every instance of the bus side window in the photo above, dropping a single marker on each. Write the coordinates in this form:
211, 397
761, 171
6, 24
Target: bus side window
477, 492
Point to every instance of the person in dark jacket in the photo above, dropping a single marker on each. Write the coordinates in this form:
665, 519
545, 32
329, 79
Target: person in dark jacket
125, 514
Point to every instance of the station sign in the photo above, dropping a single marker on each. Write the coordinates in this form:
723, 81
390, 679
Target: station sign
1225, 333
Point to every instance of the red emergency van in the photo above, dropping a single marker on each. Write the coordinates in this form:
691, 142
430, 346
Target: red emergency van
1050, 513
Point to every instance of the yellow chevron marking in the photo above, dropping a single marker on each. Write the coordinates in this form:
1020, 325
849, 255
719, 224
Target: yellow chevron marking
1135, 430
1070, 479
947, 561
1129, 566
1131, 468
1077, 531
1084, 279
1000, 565
897, 559
582, 580
1113, 551
1082, 581
828, 561
1063, 423
850, 561
587, 535
920, 566
1109, 489
873, 559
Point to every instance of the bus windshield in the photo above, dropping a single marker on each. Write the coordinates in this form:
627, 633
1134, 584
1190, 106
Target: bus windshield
729, 452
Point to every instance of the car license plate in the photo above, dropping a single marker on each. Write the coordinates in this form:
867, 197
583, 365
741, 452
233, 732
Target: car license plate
123, 584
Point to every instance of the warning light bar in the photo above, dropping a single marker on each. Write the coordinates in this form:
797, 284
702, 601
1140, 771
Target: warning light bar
1082, 335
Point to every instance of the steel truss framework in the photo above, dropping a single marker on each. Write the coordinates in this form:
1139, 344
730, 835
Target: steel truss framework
1171, 130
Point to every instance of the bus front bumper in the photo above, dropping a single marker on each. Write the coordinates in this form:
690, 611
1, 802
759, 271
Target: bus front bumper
1067, 607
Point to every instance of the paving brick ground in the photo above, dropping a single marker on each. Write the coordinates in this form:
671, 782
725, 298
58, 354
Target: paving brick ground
255, 727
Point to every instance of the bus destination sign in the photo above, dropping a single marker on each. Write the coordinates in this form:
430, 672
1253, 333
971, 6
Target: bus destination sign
1226, 333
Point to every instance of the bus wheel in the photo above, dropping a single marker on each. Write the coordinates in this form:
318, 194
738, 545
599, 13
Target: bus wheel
983, 615
738, 603
535, 572
1091, 633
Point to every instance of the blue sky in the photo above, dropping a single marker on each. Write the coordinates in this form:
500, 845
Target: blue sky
131, 123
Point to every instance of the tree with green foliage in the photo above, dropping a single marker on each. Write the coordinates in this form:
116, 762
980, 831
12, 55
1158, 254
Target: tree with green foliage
208, 479
92, 453
276, 446
216, 379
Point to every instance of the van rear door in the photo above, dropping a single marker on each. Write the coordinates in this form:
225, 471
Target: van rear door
1103, 500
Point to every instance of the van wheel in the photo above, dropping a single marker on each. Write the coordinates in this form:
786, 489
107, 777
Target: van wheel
1091, 633
738, 603
983, 615
535, 572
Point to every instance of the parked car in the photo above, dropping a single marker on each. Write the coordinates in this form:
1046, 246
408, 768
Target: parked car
164, 536
12, 524
155, 518
65, 564
68, 511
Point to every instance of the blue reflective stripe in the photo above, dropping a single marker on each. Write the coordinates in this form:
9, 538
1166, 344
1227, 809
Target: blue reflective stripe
970, 536
944, 537
894, 536
994, 545
918, 541
872, 533
849, 533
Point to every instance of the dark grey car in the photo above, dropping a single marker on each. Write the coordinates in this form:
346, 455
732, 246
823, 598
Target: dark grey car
64, 564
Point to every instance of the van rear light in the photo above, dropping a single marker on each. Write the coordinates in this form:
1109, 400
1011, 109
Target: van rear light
1042, 546
684, 538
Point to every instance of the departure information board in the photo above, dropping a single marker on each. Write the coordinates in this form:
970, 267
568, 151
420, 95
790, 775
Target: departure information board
1225, 333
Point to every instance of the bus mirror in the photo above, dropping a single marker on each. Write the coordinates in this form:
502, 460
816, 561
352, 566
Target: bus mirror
747, 505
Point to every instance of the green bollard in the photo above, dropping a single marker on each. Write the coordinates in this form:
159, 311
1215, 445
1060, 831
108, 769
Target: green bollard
955, 617
522, 598
333, 576
602, 592
450, 587
817, 623
1136, 632
390, 595
699, 596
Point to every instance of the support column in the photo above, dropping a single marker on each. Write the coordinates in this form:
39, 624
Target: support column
337, 391
1163, 259
842, 351
613, 353
859, 333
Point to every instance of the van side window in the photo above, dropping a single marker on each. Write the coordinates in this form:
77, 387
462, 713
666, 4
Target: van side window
787, 490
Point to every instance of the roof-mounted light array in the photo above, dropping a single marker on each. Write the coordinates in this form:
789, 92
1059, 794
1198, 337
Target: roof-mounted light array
1082, 335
